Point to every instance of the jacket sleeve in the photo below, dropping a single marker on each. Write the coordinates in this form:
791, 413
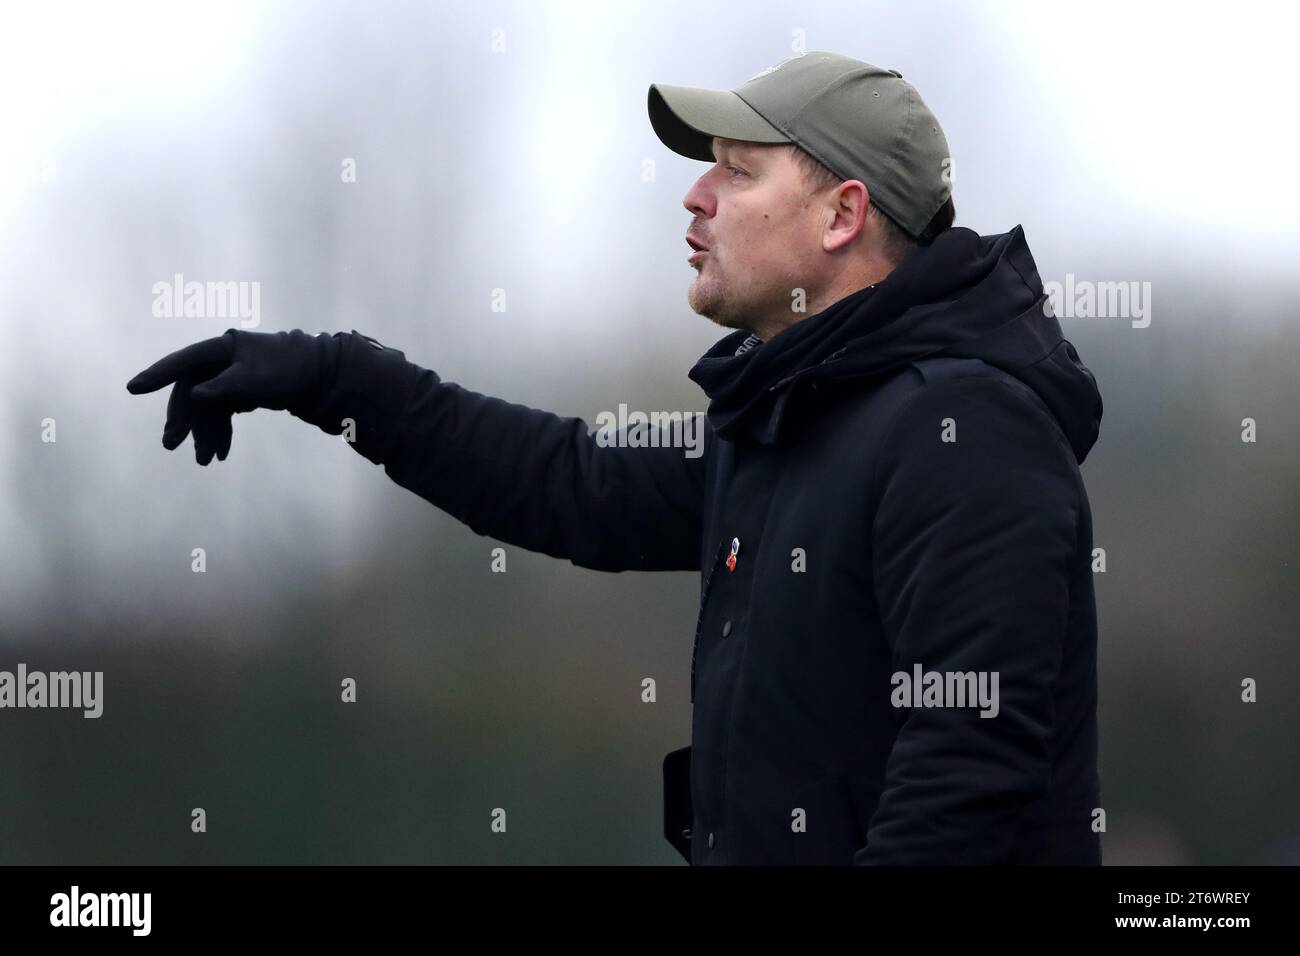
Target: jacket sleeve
523, 476
971, 546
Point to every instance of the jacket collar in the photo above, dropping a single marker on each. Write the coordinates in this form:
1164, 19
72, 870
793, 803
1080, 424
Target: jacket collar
749, 381
960, 287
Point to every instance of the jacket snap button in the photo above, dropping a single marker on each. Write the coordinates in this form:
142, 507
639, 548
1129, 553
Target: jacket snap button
710, 839
686, 834
726, 629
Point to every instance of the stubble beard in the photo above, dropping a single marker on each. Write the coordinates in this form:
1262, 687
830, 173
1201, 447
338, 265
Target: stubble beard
708, 298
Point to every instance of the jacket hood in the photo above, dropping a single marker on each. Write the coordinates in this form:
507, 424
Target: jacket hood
963, 296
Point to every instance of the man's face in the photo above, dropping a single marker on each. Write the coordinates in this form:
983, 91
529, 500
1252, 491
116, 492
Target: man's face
760, 232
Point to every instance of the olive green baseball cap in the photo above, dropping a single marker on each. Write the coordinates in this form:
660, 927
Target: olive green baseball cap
860, 121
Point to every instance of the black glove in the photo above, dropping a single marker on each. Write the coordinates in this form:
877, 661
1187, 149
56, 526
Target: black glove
238, 372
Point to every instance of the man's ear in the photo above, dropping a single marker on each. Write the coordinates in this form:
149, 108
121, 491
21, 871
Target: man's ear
846, 214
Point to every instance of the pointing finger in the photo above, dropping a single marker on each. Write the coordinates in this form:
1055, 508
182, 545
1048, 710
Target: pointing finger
193, 361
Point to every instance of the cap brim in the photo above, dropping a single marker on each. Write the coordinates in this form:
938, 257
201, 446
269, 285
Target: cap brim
686, 119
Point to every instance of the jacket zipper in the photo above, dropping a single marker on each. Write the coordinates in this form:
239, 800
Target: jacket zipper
699, 620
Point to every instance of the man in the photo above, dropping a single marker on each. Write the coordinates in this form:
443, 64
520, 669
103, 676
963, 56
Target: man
895, 654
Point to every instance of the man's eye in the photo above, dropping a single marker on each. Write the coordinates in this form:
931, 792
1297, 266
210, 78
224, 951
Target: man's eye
735, 170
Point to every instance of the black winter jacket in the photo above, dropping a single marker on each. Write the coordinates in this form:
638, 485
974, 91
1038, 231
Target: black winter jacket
898, 479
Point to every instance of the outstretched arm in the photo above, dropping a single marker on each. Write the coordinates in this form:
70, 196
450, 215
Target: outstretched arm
524, 476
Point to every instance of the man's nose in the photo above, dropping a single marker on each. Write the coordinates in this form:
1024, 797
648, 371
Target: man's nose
699, 199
